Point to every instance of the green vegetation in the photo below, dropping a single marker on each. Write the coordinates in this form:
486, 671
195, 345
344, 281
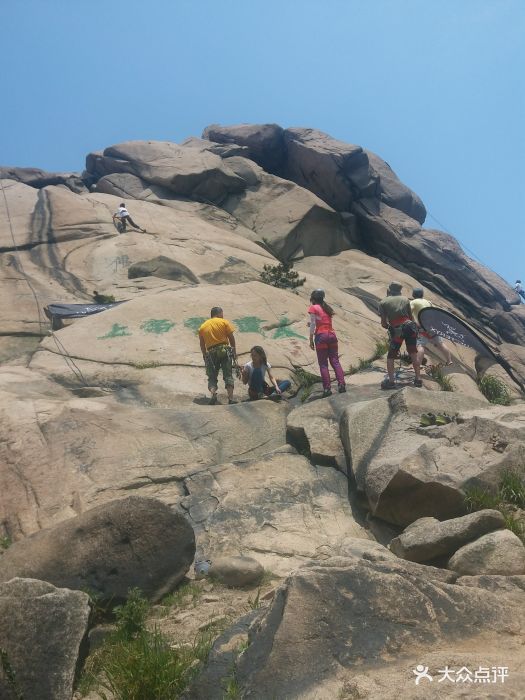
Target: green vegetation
255, 603
103, 298
381, 348
5, 542
136, 663
508, 497
362, 364
282, 276
436, 372
494, 390
186, 595
305, 380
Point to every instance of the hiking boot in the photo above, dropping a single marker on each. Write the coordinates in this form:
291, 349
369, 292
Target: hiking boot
341, 389
418, 382
327, 392
231, 401
387, 384
213, 400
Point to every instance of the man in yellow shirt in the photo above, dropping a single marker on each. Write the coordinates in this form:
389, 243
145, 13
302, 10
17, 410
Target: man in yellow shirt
218, 350
424, 338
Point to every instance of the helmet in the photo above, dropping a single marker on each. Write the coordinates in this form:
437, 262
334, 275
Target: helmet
317, 295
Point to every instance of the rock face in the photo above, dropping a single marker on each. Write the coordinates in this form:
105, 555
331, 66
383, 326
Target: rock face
331, 623
388, 217
185, 171
237, 571
34, 177
131, 543
264, 143
496, 553
409, 472
42, 629
428, 538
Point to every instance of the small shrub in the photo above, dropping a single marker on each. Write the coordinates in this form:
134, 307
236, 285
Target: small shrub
282, 276
512, 488
515, 526
131, 617
362, 364
5, 542
255, 603
479, 499
494, 390
382, 347
510, 495
436, 372
305, 380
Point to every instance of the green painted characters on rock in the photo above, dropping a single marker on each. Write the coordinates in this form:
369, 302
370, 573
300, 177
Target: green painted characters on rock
157, 325
116, 331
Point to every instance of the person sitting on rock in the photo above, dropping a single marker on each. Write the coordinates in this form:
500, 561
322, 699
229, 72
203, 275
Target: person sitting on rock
218, 351
519, 289
325, 344
423, 337
122, 217
397, 318
253, 374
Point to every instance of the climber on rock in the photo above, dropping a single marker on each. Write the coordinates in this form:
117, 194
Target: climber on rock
122, 217
218, 351
423, 337
396, 317
254, 372
519, 289
324, 340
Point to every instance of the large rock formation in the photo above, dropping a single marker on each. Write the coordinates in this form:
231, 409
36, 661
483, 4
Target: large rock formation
42, 629
338, 625
116, 403
134, 542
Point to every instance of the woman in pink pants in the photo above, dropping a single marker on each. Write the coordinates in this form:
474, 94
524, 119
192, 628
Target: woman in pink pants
325, 341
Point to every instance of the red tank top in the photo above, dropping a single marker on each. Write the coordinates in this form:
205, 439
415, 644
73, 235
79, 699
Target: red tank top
323, 321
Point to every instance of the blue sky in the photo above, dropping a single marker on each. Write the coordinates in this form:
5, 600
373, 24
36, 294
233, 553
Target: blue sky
435, 87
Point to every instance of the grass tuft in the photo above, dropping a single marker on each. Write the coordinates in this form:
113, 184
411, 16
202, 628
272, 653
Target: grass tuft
436, 372
186, 595
493, 389
136, 663
305, 380
507, 498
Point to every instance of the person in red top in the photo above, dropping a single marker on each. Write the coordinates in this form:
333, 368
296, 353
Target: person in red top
325, 344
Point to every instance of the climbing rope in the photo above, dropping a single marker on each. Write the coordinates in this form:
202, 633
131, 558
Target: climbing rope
61, 349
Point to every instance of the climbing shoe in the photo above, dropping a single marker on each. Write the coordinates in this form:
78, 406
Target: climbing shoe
443, 419
231, 401
427, 419
327, 392
418, 382
387, 384
341, 389
213, 400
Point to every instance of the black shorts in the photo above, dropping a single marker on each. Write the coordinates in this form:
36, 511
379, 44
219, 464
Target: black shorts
406, 332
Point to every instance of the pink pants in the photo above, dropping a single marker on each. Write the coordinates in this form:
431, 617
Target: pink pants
326, 347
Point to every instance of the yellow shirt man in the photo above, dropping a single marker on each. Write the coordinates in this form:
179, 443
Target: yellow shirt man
214, 335
216, 331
